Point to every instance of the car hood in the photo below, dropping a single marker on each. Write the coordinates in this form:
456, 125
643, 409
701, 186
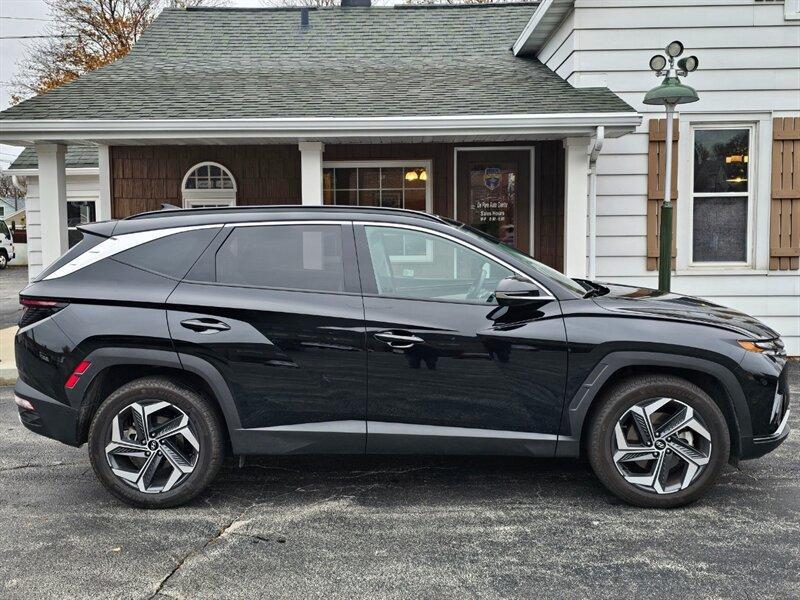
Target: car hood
651, 303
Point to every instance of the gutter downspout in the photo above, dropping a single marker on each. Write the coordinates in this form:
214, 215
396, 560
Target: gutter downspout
594, 152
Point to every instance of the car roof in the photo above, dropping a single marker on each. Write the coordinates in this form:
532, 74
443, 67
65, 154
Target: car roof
187, 217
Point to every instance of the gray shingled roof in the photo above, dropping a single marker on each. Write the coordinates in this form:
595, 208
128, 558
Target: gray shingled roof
77, 157
352, 62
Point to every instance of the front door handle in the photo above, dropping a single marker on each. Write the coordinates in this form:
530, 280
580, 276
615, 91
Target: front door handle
205, 325
400, 341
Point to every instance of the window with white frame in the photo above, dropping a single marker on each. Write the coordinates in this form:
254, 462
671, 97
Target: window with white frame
390, 184
208, 185
722, 192
79, 212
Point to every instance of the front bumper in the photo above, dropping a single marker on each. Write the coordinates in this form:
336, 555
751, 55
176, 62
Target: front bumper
49, 418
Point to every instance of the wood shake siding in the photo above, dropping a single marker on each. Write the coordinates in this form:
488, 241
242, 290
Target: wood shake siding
144, 177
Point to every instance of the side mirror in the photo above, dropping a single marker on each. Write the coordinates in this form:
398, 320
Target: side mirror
513, 291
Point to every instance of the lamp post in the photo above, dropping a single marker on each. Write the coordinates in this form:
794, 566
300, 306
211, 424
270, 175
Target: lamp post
670, 93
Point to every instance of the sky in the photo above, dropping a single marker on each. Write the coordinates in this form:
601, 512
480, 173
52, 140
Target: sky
26, 18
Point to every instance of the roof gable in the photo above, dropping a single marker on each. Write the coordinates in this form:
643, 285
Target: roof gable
350, 62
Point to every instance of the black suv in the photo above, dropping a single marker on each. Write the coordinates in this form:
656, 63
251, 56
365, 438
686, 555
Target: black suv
169, 339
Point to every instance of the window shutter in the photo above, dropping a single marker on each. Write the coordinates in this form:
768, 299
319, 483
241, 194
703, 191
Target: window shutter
784, 232
656, 178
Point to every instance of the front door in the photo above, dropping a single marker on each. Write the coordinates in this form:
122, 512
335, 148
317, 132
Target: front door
493, 194
448, 369
276, 310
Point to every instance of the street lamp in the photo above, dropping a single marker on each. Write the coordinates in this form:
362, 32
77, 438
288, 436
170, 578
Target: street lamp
670, 93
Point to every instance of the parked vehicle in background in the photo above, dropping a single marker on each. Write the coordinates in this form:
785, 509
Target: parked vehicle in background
6, 246
168, 339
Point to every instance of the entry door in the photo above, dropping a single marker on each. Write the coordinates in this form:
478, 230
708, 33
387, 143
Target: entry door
276, 310
448, 369
493, 193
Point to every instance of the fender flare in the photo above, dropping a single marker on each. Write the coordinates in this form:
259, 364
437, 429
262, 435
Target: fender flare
104, 358
576, 409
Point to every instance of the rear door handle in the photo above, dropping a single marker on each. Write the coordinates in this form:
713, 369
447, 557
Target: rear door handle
205, 325
401, 341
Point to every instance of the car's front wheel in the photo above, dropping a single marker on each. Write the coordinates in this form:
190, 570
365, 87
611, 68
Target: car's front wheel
658, 441
155, 444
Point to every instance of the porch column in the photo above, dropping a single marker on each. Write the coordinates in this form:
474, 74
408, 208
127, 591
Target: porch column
104, 162
311, 172
576, 206
52, 200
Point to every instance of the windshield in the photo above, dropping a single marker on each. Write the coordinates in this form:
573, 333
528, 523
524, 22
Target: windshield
544, 270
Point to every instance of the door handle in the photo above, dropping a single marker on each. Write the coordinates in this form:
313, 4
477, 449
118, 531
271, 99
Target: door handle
205, 325
400, 341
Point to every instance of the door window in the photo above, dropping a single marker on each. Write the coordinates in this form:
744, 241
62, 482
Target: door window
298, 257
453, 272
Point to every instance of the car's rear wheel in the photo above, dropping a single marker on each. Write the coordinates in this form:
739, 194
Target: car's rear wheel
156, 444
658, 441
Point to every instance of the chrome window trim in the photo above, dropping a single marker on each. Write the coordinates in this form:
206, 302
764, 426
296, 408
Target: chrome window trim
119, 243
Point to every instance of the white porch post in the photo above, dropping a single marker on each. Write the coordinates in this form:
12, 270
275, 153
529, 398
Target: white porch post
576, 188
53, 200
104, 162
311, 172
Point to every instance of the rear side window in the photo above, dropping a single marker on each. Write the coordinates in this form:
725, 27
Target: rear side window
298, 257
172, 255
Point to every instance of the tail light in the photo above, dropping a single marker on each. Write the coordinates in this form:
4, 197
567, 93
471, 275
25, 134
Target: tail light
37, 309
73, 379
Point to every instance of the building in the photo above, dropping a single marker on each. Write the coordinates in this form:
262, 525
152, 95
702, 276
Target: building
491, 114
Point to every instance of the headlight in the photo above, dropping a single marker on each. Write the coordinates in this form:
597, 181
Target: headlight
773, 347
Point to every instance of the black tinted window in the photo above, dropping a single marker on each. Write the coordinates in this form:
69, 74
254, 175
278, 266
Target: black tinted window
300, 257
172, 255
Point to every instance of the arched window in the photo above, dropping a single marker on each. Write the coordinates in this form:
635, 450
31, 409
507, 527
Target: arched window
207, 185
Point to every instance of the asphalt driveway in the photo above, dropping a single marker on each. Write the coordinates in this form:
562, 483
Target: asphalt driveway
12, 280
392, 528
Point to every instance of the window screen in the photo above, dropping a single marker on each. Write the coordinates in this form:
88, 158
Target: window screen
173, 255
299, 257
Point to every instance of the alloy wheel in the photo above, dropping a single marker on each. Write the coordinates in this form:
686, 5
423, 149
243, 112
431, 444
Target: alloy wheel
153, 447
661, 445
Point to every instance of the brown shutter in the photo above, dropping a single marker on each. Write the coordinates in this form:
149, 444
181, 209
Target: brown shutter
656, 178
784, 231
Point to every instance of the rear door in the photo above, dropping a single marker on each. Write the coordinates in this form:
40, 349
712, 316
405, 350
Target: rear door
276, 309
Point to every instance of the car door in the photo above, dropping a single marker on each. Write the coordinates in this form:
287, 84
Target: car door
448, 369
275, 308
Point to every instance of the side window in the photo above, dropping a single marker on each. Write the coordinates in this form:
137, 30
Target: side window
449, 270
172, 255
298, 257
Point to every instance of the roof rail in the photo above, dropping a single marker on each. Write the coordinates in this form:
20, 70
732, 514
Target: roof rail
271, 208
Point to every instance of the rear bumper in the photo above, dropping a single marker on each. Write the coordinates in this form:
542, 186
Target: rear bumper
49, 418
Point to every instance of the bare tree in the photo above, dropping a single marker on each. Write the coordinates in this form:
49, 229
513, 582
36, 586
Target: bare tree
86, 35
9, 190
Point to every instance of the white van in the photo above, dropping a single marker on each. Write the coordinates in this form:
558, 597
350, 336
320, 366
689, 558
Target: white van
6, 245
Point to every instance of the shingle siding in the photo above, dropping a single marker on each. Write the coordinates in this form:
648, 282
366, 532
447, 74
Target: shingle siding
351, 62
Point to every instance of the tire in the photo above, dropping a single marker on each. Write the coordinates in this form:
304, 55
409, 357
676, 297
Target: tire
166, 426
3, 260
639, 395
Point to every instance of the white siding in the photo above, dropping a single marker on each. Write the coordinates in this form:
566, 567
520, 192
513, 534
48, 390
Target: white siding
749, 70
79, 187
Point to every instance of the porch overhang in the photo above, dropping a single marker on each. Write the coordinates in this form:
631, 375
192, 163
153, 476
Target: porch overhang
411, 129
